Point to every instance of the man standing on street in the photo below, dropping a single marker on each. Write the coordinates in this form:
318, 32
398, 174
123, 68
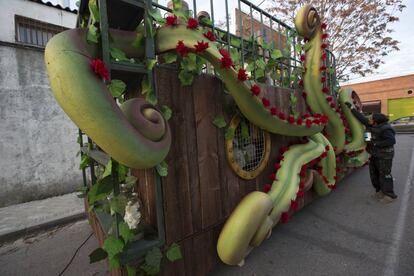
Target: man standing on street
381, 148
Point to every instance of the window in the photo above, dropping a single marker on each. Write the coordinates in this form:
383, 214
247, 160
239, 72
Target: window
248, 152
34, 32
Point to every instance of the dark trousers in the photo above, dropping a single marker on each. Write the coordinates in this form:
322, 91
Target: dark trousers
380, 173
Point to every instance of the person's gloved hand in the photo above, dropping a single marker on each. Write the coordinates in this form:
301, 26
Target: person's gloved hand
348, 104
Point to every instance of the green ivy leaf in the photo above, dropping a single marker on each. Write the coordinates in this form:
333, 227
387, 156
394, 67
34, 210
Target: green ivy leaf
153, 257
235, 42
82, 190
169, 57
118, 54
166, 111
156, 15
189, 63
260, 73
113, 246
149, 269
330, 70
219, 121
244, 129
260, 63
293, 99
100, 190
298, 48
93, 10
276, 54
84, 162
145, 86
174, 253
108, 169
118, 204
93, 34
117, 88
130, 181
229, 134
151, 98
206, 21
235, 55
125, 232
97, 255
307, 46
186, 78
114, 262
162, 168
132, 271
151, 63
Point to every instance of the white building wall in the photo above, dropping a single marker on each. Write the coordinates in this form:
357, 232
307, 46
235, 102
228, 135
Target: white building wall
33, 10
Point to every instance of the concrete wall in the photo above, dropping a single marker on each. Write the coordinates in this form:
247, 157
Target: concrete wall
385, 89
37, 140
9, 8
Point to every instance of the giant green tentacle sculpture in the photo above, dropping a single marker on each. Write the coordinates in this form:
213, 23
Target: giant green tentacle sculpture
308, 25
136, 134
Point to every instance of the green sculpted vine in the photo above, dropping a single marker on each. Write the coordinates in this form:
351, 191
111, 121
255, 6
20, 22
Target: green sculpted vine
136, 133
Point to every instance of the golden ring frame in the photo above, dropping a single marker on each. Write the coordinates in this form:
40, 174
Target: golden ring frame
248, 175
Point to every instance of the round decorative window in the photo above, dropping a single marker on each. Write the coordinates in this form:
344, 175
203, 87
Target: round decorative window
248, 152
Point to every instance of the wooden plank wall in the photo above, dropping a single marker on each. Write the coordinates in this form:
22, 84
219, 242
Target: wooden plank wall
200, 190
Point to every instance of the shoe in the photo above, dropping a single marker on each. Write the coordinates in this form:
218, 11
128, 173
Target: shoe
378, 195
387, 199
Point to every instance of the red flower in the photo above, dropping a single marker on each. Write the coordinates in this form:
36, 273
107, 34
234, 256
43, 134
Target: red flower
242, 76
323, 155
302, 57
255, 89
323, 56
324, 25
300, 194
266, 188
322, 68
308, 123
277, 166
201, 46
291, 119
302, 184
324, 35
302, 173
226, 62
294, 205
323, 79
300, 82
98, 66
192, 23
281, 115
329, 98
332, 104
265, 102
316, 121
283, 149
327, 148
325, 90
272, 177
299, 121
210, 36
181, 49
284, 218
273, 111
307, 115
324, 46
171, 20
224, 52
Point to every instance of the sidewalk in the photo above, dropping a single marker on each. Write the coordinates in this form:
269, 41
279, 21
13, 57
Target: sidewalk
21, 219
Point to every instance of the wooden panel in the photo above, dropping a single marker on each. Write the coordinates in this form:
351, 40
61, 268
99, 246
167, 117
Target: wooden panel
205, 97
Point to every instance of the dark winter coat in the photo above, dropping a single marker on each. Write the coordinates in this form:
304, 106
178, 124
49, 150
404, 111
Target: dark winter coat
383, 137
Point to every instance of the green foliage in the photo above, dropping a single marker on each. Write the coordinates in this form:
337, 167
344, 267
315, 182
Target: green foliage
244, 129
229, 134
85, 160
132, 271
156, 15
174, 253
152, 262
126, 233
118, 54
145, 86
113, 246
307, 46
169, 57
219, 121
162, 168
97, 255
82, 190
114, 262
93, 34
93, 10
151, 97
276, 54
186, 78
117, 88
100, 190
117, 204
166, 111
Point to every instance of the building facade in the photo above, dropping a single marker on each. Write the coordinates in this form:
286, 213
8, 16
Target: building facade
38, 141
391, 96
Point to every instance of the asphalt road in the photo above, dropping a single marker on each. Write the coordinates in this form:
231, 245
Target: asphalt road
345, 233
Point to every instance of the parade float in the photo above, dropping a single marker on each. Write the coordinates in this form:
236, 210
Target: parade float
196, 142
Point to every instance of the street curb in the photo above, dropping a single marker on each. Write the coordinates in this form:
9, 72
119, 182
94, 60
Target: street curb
12, 236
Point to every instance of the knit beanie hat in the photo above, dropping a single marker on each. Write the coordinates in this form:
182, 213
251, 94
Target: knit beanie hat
379, 118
